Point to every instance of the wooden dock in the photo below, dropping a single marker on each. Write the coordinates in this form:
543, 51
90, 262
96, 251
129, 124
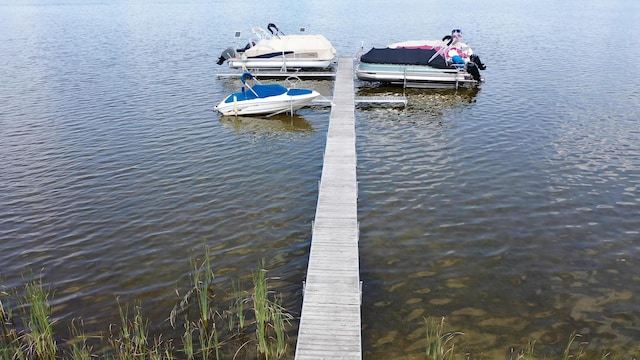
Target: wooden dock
330, 323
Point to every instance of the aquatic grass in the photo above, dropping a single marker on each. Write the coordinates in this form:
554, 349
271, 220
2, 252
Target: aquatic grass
439, 343
33, 337
252, 326
239, 305
203, 327
40, 336
280, 319
527, 352
202, 281
10, 343
261, 311
271, 318
568, 354
252, 318
187, 341
129, 341
79, 350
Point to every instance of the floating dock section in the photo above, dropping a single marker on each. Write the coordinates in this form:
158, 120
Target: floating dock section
330, 322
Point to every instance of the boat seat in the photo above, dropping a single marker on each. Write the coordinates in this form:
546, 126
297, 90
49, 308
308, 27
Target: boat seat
263, 91
294, 92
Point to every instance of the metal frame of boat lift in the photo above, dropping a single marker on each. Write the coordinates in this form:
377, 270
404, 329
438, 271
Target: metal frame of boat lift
282, 73
323, 100
393, 100
433, 85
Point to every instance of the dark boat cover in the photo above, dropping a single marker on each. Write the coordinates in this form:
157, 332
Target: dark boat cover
404, 56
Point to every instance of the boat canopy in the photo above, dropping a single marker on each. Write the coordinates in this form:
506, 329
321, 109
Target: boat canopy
404, 56
298, 44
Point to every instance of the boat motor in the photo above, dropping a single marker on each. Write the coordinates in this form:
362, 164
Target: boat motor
476, 59
226, 55
472, 69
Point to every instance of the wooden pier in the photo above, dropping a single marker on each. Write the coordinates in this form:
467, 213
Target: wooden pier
330, 323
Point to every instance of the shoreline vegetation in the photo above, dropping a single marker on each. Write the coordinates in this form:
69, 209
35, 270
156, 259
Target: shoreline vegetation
253, 325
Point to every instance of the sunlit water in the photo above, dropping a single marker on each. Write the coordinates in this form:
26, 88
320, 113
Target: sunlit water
512, 210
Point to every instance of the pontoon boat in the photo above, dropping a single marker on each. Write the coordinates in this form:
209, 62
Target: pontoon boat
423, 63
275, 50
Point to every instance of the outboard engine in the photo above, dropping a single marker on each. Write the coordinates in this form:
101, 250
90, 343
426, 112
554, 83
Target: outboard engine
476, 59
226, 55
472, 69
474, 66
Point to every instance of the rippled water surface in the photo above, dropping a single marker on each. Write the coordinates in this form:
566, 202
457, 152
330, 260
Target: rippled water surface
512, 210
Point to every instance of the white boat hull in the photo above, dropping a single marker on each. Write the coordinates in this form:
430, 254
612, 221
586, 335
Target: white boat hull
266, 106
413, 75
280, 63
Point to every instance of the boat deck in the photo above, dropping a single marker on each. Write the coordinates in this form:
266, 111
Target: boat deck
330, 323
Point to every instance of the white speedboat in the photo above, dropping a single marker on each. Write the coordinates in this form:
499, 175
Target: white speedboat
274, 50
264, 99
423, 63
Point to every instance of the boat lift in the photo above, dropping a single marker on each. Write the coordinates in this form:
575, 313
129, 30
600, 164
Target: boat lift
294, 77
327, 101
275, 73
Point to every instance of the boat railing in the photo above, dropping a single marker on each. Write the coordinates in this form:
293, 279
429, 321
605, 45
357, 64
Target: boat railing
284, 62
460, 78
404, 76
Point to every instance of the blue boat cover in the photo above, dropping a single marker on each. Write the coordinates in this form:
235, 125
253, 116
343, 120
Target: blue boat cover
294, 92
263, 91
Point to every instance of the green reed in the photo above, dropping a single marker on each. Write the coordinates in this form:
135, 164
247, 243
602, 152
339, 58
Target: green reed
253, 325
34, 339
239, 308
79, 350
266, 315
254, 317
572, 350
527, 352
39, 323
439, 343
202, 327
440, 346
261, 311
10, 342
131, 339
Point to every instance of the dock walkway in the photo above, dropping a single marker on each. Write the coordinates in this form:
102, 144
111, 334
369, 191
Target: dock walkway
330, 323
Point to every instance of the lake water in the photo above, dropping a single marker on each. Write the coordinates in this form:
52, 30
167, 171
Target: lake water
512, 210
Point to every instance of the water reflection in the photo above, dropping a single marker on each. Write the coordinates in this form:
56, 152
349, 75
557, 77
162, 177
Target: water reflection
284, 123
438, 102
424, 102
